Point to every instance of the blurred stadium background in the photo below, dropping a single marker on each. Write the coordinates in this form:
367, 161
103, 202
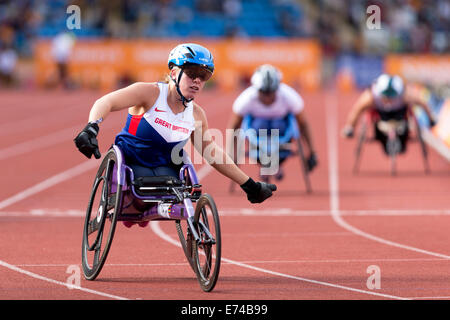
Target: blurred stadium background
315, 43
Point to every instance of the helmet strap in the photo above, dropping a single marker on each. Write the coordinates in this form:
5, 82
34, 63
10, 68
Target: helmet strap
183, 99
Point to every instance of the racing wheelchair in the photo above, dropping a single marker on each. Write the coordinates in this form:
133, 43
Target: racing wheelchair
117, 196
393, 129
289, 145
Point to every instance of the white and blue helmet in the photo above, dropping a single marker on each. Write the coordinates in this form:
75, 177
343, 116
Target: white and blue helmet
191, 53
266, 78
387, 86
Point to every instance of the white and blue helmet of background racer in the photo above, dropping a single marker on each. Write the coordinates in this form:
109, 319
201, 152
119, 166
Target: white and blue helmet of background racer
191, 53
266, 78
388, 87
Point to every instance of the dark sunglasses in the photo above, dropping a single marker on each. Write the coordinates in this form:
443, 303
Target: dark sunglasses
197, 72
266, 93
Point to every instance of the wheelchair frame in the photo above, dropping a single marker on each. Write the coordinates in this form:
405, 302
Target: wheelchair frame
122, 200
370, 119
292, 135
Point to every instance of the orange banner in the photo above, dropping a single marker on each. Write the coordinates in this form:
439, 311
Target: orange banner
432, 69
102, 63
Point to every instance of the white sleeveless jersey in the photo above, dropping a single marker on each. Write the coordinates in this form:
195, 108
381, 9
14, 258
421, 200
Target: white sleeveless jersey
172, 127
148, 139
287, 101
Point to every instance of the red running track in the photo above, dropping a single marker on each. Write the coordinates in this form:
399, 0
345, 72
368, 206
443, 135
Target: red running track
294, 246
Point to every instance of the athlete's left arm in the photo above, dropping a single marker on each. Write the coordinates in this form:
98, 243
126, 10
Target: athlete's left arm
214, 154
412, 98
305, 131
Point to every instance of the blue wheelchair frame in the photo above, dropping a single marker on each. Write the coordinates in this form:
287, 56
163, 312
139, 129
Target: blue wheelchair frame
291, 134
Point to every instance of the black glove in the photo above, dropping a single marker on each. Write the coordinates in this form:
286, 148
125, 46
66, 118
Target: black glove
348, 132
86, 141
432, 122
311, 162
257, 192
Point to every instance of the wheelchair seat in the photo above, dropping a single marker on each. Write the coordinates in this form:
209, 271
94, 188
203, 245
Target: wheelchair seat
291, 132
159, 185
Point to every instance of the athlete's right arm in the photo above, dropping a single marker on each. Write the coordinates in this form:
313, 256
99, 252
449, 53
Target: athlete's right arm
138, 95
364, 102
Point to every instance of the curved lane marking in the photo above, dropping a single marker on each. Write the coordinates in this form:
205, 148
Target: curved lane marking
333, 179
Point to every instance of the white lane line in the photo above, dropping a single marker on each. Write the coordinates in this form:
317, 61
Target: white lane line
48, 140
39, 143
429, 298
283, 212
238, 212
73, 287
333, 157
64, 265
154, 225
325, 261
50, 182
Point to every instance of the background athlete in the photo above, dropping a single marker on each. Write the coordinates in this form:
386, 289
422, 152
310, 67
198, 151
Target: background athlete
269, 101
390, 99
162, 116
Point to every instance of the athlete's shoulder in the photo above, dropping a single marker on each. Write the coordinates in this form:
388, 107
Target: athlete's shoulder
144, 94
245, 100
248, 93
291, 97
287, 89
146, 87
198, 112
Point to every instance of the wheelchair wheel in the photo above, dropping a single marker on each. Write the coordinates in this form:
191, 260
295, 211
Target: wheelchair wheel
303, 164
207, 251
101, 218
393, 146
359, 146
185, 240
423, 146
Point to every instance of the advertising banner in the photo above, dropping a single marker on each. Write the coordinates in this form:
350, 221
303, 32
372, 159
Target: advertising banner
103, 63
430, 69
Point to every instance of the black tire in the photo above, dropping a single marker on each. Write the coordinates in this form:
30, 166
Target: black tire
304, 166
393, 158
359, 147
207, 255
393, 148
423, 146
96, 239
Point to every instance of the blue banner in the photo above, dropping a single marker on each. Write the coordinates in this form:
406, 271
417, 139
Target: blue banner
364, 69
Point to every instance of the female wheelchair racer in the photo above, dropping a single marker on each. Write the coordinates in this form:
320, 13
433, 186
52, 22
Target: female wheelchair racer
161, 116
